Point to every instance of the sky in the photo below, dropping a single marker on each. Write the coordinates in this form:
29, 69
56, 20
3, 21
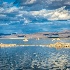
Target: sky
48, 4
8, 1
20, 12
36, 9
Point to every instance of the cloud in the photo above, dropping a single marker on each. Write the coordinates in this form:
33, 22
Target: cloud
18, 14
25, 2
30, 1
11, 9
46, 4
58, 14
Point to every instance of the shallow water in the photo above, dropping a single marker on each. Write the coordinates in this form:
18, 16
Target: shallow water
35, 41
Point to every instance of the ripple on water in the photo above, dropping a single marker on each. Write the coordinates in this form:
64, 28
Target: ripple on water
34, 58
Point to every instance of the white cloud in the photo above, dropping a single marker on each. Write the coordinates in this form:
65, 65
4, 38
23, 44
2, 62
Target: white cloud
12, 9
67, 2
2, 15
30, 1
14, 13
1, 10
58, 14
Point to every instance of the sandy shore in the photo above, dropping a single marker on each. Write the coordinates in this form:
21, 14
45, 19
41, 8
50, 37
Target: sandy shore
57, 45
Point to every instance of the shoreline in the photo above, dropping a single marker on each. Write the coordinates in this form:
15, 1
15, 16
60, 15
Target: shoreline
63, 34
57, 45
